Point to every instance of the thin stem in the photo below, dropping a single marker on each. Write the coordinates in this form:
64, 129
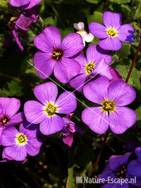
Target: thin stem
95, 164
133, 64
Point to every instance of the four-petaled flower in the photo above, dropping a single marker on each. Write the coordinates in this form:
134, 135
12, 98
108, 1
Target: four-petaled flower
19, 143
9, 115
56, 55
112, 33
112, 98
47, 112
95, 63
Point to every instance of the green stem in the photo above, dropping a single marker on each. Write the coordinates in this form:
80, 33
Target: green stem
133, 64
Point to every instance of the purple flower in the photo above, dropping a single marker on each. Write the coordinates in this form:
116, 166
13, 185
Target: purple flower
68, 131
96, 62
111, 98
56, 55
25, 4
112, 33
19, 143
22, 25
47, 111
9, 115
117, 167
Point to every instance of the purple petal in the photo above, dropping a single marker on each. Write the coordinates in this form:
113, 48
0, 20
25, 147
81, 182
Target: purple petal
111, 19
81, 59
107, 185
15, 119
19, 3
103, 69
122, 119
78, 82
134, 168
116, 161
72, 44
96, 54
24, 22
8, 136
52, 125
31, 150
98, 30
32, 4
66, 102
62, 70
126, 33
50, 38
15, 153
95, 92
43, 65
95, 119
138, 153
107, 173
33, 111
115, 74
9, 105
46, 92
121, 93
17, 39
113, 44
68, 140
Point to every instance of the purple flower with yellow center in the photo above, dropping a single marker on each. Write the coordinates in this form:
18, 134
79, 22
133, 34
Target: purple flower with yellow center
112, 33
95, 63
117, 167
111, 112
19, 143
9, 115
68, 131
47, 112
57, 55
25, 4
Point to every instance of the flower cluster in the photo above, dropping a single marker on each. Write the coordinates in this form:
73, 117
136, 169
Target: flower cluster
86, 68
123, 167
23, 22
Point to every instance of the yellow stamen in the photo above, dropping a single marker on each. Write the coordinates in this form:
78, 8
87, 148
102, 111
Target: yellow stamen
50, 109
21, 139
108, 106
112, 32
89, 67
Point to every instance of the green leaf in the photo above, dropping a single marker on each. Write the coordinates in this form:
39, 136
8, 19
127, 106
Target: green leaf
96, 16
3, 4
134, 78
138, 10
93, 1
120, 1
70, 179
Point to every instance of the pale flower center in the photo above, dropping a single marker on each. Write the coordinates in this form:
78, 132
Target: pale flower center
108, 106
50, 109
112, 32
89, 67
21, 139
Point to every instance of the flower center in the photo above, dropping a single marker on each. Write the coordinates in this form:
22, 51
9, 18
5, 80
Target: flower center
50, 109
57, 54
21, 139
4, 120
108, 106
112, 32
89, 67
121, 173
